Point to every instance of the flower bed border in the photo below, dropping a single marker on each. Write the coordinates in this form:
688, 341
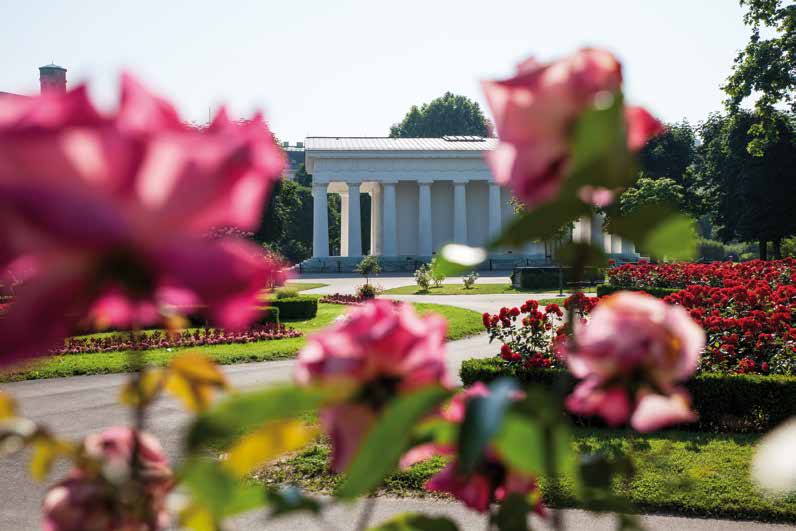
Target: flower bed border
726, 403
607, 289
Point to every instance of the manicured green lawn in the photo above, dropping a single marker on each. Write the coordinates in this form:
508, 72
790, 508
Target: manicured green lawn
557, 300
304, 286
692, 474
462, 323
458, 289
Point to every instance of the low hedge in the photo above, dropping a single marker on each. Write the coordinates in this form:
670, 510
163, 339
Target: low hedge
607, 289
301, 307
268, 314
729, 403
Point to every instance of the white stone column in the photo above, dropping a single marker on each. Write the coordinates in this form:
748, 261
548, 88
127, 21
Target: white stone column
344, 224
597, 234
389, 221
494, 210
354, 221
582, 231
320, 221
628, 248
616, 244
375, 219
460, 212
424, 246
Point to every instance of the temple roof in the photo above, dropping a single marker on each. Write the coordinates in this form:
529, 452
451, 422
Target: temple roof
360, 143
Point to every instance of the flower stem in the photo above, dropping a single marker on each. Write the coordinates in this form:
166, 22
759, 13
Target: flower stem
368, 507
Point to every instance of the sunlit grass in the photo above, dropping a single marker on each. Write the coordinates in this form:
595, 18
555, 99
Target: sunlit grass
478, 289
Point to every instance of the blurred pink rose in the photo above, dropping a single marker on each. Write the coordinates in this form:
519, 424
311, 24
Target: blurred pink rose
110, 212
492, 482
91, 501
630, 355
534, 112
381, 348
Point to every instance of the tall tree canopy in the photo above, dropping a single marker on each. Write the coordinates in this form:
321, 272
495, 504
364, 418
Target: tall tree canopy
447, 115
766, 67
749, 197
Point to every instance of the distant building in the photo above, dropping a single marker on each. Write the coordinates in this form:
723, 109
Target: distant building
52, 79
295, 158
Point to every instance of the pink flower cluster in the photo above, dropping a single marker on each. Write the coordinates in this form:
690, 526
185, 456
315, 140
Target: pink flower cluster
492, 481
631, 355
382, 349
106, 215
96, 496
184, 339
535, 111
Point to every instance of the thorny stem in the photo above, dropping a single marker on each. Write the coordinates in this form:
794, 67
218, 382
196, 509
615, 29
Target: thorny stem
367, 512
138, 365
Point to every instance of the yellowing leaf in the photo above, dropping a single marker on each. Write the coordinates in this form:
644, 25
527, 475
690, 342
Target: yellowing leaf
8, 406
197, 368
196, 397
192, 379
149, 386
197, 518
267, 443
45, 451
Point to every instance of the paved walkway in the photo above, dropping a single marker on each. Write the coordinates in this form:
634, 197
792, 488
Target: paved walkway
79, 405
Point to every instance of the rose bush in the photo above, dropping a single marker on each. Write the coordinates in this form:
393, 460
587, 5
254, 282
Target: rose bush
716, 274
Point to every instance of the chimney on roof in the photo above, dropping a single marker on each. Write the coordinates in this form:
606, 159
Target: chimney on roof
299, 144
52, 79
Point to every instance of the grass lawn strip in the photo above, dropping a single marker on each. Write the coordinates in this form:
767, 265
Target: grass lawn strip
461, 323
304, 286
685, 473
478, 289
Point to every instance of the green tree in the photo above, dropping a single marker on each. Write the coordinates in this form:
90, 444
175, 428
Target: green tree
646, 191
302, 177
749, 197
765, 68
447, 115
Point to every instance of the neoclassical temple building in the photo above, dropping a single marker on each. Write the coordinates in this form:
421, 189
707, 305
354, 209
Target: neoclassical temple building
424, 192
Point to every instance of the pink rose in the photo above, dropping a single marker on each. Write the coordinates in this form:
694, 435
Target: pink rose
93, 500
534, 112
631, 354
109, 213
383, 349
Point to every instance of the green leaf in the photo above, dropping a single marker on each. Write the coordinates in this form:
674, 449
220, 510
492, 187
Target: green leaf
455, 259
267, 443
217, 490
290, 499
238, 414
382, 448
482, 421
521, 442
585, 253
543, 222
600, 156
416, 522
673, 238
512, 514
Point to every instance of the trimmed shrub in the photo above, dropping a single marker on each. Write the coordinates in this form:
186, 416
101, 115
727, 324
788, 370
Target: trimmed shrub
607, 289
286, 293
268, 314
728, 403
301, 307
546, 277
367, 291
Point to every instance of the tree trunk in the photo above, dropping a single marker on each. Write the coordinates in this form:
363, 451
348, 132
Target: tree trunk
763, 247
777, 244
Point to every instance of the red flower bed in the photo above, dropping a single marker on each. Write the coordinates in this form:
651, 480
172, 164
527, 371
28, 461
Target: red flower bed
750, 325
186, 338
717, 274
339, 298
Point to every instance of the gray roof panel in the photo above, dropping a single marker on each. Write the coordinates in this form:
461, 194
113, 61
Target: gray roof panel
351, 143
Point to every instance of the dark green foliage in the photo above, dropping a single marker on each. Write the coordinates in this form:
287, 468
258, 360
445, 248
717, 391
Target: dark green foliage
301, 307
302, 177
446, 115
765, 68
607, 289
749, 197
287, 225
726, 403
547, 277
269, 314
669, 155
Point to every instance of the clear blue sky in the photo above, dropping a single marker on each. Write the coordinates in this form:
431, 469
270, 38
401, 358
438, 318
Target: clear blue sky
345, 67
